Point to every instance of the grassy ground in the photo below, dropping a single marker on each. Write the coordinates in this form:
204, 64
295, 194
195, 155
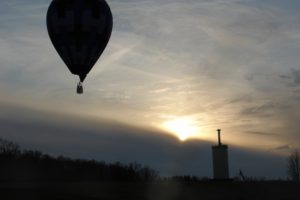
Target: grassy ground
163, 190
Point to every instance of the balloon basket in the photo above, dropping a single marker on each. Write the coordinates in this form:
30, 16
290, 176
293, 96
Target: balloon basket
79, 88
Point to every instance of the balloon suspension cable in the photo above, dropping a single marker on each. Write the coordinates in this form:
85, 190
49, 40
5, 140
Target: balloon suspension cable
79, 88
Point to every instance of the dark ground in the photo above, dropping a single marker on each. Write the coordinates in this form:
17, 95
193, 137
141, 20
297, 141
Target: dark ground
160, 190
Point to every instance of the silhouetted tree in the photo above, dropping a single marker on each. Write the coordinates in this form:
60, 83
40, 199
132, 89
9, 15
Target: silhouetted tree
293, 167
8, 148
31, 165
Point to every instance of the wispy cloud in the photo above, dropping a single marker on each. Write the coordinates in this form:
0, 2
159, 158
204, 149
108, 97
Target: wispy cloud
227, 64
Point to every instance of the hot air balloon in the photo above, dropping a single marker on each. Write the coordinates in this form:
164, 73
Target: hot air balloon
79, 31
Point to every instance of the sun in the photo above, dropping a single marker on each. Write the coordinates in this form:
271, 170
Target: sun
183, 128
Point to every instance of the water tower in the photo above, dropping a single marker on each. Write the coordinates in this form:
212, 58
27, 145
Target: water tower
220, 160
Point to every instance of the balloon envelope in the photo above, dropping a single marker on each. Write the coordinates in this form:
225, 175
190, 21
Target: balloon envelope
79, 31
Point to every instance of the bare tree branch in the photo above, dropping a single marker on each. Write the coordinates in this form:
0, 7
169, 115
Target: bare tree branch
293, 167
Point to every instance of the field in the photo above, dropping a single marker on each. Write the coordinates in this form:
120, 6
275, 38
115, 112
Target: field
160, 190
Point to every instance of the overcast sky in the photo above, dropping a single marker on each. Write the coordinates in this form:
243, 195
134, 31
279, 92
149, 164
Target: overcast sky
229, 64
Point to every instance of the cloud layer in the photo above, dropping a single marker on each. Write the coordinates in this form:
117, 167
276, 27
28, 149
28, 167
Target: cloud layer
225, 64
111, 141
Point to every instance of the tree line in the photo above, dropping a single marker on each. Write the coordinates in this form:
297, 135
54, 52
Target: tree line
28, 165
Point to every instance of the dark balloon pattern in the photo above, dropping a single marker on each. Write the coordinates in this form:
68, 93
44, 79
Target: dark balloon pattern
79, 31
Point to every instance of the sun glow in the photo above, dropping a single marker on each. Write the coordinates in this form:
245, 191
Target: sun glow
183, 128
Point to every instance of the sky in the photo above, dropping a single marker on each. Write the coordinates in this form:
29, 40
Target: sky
173, 72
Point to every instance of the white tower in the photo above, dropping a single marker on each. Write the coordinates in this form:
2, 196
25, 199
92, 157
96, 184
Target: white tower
220, 159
